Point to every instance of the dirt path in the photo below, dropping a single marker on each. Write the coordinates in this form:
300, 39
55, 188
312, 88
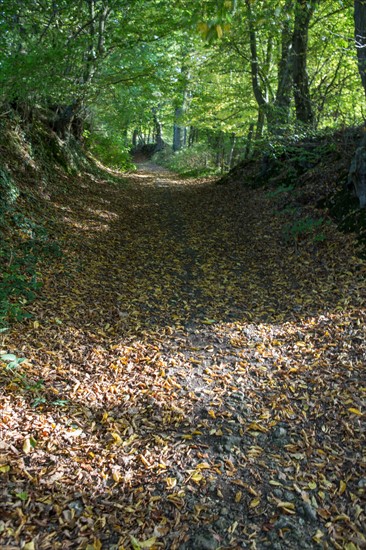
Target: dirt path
192, 381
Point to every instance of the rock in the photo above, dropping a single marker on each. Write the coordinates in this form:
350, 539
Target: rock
202, 541
221, 524
231, 441
357, 174
308, 511
362, 483
284, 522
238, 396
280, 433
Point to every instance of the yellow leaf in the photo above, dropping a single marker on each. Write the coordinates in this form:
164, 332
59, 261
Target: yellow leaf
342, 487
4, 468
130, 440
27, 447
116, 438
203, 27
257, 427
144, 461
212, 413
318, 536
196, 477
170, 482
36, 324
149, 543
355, 411
29, 545
288, 507
219, 31
255, 502
238, 496
116, 476
203, 466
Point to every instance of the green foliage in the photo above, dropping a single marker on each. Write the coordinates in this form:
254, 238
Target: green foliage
111, 150
19, 283
11, 360
25, 243
197, 160
307, 227
279, 190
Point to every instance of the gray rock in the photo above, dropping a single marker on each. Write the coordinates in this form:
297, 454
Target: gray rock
357, 173
221, 524
308, 511
202, 541
284, 522
362, 483
280, 433
231, 441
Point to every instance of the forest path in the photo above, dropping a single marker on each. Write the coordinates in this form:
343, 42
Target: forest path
192, 381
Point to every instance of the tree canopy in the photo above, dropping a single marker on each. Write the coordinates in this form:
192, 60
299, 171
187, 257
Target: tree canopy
218, 68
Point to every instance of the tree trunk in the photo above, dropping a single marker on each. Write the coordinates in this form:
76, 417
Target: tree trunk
304, 10
360, 38
68, 121
284, 83
357, 172
248, 145
134, 138
232, 150
177, 130
254, 62
158, 133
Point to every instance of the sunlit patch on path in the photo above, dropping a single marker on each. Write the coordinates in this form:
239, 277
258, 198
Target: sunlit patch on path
191, 381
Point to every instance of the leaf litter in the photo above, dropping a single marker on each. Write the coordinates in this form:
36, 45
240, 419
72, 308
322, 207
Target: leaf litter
192, 380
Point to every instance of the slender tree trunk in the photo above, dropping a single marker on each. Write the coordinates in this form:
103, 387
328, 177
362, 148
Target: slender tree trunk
284, 83
360, 38
158, 133
177, 130
232, 150
192, 136
134, 138
357, 171
254, 62
260, 124
304, 10
248, 146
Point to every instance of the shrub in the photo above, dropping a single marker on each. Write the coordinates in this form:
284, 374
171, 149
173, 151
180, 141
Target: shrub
197, 160
110, 150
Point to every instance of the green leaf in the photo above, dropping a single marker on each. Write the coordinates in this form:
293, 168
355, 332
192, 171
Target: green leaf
8, 357
22, 495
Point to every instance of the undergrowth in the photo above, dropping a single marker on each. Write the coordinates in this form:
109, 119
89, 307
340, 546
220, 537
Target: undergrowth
195, 161
110, 150
23, 244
